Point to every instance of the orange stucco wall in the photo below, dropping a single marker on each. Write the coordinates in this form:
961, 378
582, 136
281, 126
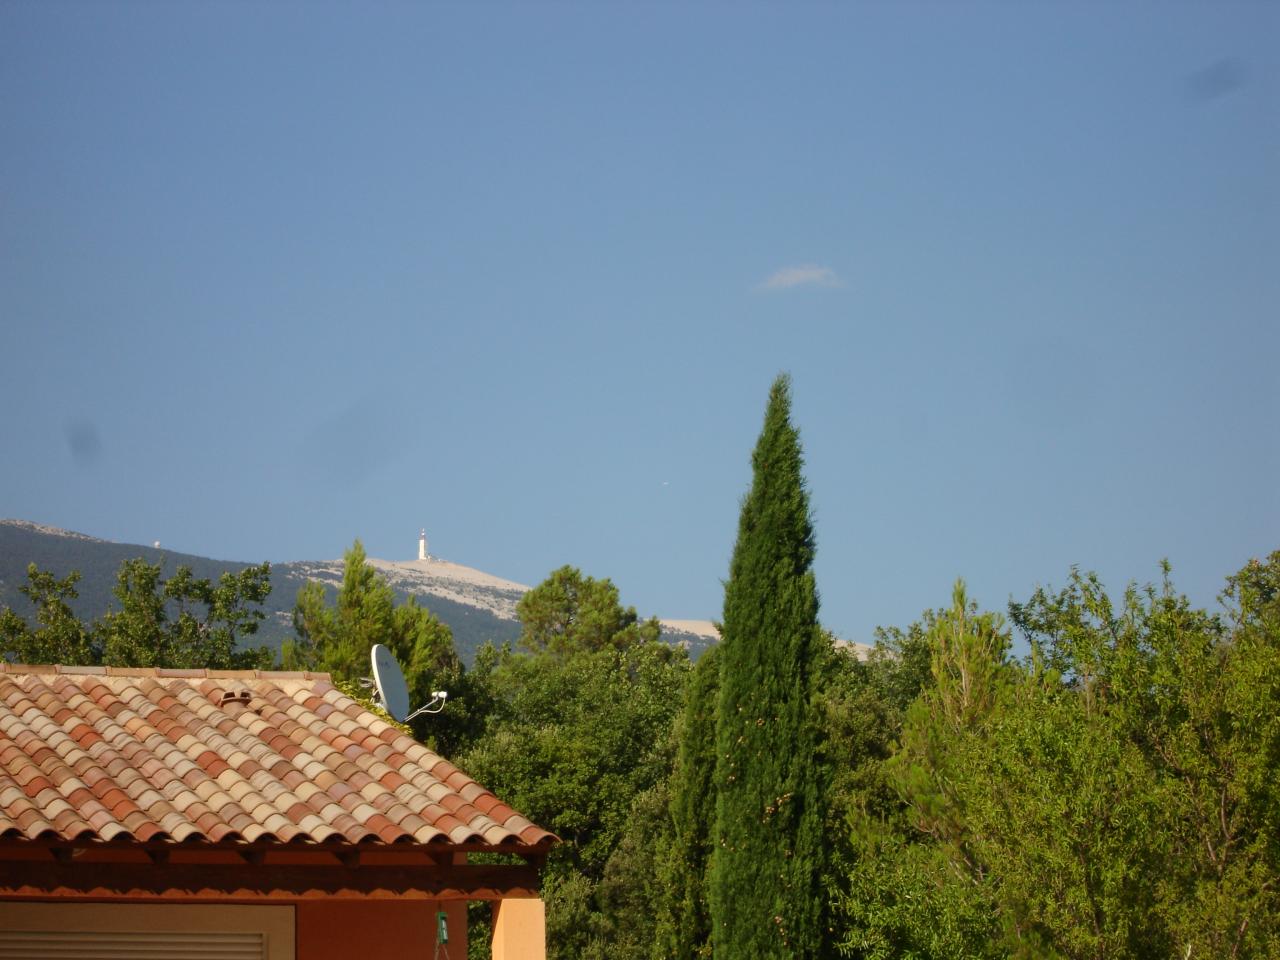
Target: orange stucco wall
519, 930
374, 930
322, 930
325, 927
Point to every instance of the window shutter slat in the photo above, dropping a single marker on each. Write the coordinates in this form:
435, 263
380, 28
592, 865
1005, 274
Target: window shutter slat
122, 945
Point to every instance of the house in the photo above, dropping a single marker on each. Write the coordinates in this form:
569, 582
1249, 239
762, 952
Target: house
238, 814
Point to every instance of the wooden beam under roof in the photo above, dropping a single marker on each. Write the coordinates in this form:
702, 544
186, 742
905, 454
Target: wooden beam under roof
30, 879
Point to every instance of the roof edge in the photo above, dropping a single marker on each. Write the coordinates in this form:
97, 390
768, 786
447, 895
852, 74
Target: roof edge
432, 847
55, 669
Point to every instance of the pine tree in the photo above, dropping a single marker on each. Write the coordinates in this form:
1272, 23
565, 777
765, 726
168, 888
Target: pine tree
337, 639
765, 877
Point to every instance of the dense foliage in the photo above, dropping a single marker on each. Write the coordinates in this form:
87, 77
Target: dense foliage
183, 621
684, 920
1114, 794
578, 739
569, 613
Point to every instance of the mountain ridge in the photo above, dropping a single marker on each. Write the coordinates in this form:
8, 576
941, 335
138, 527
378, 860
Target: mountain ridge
477, 606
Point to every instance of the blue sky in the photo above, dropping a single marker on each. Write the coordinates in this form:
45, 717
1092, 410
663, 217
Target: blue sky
276, 276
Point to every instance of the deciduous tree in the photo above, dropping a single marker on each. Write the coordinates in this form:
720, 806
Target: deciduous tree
574, 741
183, 621
59, 635
570, 612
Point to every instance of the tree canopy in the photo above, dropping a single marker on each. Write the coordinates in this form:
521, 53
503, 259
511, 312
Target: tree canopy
1114, 794
569, 612
182, 621
577, 737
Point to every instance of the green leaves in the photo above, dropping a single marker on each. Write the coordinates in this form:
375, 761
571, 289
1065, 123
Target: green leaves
179, 622
1114, 795
59, 637
568, 613
574, 739
1060, 807
577, 736
184, 621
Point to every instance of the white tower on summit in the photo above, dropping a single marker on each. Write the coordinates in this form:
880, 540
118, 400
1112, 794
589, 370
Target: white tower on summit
422, 544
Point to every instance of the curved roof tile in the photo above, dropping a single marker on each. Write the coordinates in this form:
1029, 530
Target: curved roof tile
118, 754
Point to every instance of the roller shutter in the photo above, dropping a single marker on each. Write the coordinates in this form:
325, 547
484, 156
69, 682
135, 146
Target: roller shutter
103, 931
143, 945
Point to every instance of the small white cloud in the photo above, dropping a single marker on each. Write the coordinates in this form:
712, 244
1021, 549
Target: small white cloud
804, 275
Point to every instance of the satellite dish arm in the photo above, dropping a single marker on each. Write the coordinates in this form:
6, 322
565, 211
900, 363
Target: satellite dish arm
435, 706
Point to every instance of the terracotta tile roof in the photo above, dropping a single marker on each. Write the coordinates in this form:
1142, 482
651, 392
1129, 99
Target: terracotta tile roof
100, 753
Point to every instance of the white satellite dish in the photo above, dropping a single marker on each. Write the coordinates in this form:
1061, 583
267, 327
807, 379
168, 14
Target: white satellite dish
388, 680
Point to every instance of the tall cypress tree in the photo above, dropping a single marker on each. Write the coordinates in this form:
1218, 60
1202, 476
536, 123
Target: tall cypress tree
765, 876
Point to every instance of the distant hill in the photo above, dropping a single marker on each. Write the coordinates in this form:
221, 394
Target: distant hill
477, 606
